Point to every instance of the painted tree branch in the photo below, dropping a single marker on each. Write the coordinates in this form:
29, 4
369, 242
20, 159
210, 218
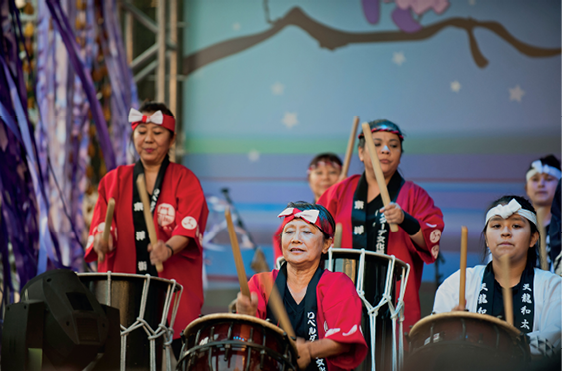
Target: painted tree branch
332, 39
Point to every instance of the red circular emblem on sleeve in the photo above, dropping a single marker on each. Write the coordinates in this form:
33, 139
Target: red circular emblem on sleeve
435, 236
189, 222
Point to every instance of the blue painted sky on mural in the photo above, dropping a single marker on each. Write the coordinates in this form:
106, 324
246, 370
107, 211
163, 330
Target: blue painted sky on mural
437, 90
467, 135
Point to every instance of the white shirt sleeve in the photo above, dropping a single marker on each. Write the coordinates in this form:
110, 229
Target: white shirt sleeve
447, 295
545, 337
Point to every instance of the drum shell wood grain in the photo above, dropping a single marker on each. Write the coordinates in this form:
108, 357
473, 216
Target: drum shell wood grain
222, 342
467, 340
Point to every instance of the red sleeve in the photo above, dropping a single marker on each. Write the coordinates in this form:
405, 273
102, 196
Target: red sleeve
342, 313
98, 222
420, 205
338, 199
330, 199
192, 212
261, 284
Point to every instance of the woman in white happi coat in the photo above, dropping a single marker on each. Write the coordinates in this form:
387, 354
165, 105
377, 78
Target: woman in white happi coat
511, 228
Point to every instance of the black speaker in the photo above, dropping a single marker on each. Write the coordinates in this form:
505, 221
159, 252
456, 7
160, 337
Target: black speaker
58, 323
22, 339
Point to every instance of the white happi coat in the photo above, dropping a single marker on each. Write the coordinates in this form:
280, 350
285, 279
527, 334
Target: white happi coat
545, 335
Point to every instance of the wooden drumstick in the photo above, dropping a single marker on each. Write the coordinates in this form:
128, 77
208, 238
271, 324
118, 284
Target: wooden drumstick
242, 279
107, 226
337, 236
349, 151
507, 298
542, 231
141, 186
462, 288
377, 168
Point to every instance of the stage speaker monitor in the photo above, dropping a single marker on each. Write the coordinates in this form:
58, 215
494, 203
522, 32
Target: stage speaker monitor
71, 331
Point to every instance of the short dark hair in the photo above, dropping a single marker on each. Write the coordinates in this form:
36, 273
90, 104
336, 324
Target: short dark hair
525, 204
151, 106
549, 160
393, 128
327, 156
326, 219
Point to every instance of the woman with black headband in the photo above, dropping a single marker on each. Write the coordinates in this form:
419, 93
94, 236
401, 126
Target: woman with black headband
356, 203
511, 229
323, 307
179, 209
541, 181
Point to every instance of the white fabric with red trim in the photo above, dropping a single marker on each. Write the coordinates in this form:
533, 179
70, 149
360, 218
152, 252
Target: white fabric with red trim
156, 118
310, 216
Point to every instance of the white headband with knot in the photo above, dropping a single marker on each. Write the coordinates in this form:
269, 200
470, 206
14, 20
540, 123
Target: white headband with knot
513, 207
538, 168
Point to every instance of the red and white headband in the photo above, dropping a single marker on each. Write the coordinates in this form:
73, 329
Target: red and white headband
309, 216
538, 168
383, 126
158, 118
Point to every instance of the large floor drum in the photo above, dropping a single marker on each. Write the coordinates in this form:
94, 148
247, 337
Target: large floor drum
466, 341
221, 342
144, 303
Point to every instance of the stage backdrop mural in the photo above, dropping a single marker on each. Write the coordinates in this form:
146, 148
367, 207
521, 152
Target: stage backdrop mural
474, 84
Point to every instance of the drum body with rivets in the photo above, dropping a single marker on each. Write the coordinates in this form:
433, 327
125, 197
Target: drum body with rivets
225, 341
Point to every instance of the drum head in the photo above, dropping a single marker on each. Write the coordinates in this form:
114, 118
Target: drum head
466, 341
457, 315
124, 292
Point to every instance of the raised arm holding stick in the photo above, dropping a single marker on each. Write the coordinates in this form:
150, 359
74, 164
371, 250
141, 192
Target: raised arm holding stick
381, 181
367, 213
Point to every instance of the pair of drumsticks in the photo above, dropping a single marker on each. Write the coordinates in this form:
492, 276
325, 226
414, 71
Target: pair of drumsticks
141, 187
275, 302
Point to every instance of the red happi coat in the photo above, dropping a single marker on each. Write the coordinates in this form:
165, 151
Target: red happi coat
339, 314
414, 200
181, 210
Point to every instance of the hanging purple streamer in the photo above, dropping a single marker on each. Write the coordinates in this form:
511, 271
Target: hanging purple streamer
78, 144
18, 64
61, 23
25, 231
44, 87
124, 92
7, 284
48, 246
18, 206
